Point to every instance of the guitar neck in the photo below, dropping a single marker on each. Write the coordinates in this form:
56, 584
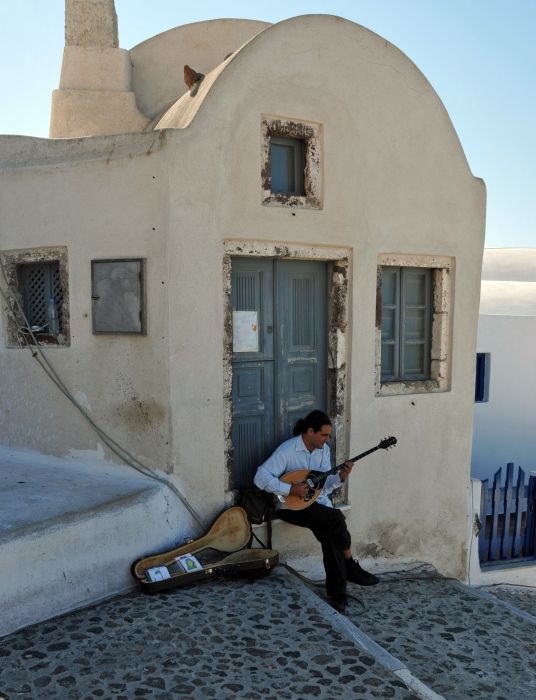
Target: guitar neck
354, 459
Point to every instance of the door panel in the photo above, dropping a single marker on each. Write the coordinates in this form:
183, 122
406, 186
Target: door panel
252, 290
301, 342
253, 371
279, 354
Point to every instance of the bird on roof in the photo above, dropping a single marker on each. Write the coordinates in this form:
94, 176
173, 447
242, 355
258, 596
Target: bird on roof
191, 77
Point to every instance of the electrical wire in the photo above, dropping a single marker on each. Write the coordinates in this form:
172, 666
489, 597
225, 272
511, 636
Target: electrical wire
38, 354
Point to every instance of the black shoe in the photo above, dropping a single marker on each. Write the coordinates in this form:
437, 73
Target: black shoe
355, 574
339, 603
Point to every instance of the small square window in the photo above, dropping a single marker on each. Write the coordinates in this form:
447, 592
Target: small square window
117, 292
287, 165
291, 163
483, 361
37, 308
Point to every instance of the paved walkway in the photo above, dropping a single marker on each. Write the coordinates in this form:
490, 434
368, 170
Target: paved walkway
413, 636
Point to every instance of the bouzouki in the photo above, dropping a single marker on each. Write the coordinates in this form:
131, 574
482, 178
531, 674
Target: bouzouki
315, 480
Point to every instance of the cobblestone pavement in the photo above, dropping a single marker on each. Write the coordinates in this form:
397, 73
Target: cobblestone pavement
458, 643
521, 597
275, 638
259, 640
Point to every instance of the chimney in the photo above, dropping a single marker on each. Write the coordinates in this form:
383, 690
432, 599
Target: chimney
95, 94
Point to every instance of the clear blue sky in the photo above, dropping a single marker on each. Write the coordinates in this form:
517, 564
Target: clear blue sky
479, 55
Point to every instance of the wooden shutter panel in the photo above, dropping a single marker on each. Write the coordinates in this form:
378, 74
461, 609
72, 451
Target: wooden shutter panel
390, 328
415, 327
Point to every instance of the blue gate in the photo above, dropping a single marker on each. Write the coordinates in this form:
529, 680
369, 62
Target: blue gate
508, 518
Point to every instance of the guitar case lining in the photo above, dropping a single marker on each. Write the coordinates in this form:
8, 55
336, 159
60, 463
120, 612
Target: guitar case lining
224, 550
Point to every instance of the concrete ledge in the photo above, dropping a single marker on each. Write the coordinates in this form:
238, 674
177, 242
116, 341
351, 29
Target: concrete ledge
69, 532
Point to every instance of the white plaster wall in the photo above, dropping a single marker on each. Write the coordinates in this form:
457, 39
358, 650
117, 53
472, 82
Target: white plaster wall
395, 180
98, 206
504, 426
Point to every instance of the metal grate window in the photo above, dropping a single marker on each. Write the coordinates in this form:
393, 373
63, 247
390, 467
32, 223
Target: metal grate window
38, 283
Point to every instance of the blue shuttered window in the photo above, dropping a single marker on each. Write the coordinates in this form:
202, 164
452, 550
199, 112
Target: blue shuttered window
483, 360
406, 303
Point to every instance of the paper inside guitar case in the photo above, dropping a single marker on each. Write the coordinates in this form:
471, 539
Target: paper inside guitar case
224, 550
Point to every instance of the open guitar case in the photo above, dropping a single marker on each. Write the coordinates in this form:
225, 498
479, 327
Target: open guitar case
224, 550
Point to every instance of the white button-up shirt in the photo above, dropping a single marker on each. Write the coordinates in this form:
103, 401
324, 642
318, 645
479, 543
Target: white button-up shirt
290, 456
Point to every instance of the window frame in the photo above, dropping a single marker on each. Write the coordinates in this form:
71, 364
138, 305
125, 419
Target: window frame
12, 261
442, 273
310, 134
400, 336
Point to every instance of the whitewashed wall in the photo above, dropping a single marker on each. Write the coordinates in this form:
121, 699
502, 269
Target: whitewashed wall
504, 426
395, 180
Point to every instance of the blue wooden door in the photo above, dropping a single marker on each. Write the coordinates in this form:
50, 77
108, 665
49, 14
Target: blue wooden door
300, 382
279, 354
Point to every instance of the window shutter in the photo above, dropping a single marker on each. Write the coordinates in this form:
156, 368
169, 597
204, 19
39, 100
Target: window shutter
38, 283
415, 327
390, 328
287, 158
482, 377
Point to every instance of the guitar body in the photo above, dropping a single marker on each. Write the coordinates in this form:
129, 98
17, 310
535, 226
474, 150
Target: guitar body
296, 477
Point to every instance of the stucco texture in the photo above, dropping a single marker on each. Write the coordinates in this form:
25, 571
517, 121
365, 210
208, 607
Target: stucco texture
394, 180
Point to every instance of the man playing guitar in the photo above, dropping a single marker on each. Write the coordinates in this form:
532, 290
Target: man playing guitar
309, 450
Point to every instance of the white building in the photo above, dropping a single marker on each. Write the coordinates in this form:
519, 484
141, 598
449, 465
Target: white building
504, 420
311, 185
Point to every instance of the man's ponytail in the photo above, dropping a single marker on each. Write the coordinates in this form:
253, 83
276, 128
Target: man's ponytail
315, 420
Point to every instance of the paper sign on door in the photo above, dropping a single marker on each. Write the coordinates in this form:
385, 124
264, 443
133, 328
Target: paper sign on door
245, 331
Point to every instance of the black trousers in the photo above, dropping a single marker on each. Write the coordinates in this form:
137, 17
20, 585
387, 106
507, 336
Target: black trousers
328, 525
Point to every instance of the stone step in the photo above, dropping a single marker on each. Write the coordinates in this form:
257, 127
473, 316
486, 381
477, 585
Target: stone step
69, 532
